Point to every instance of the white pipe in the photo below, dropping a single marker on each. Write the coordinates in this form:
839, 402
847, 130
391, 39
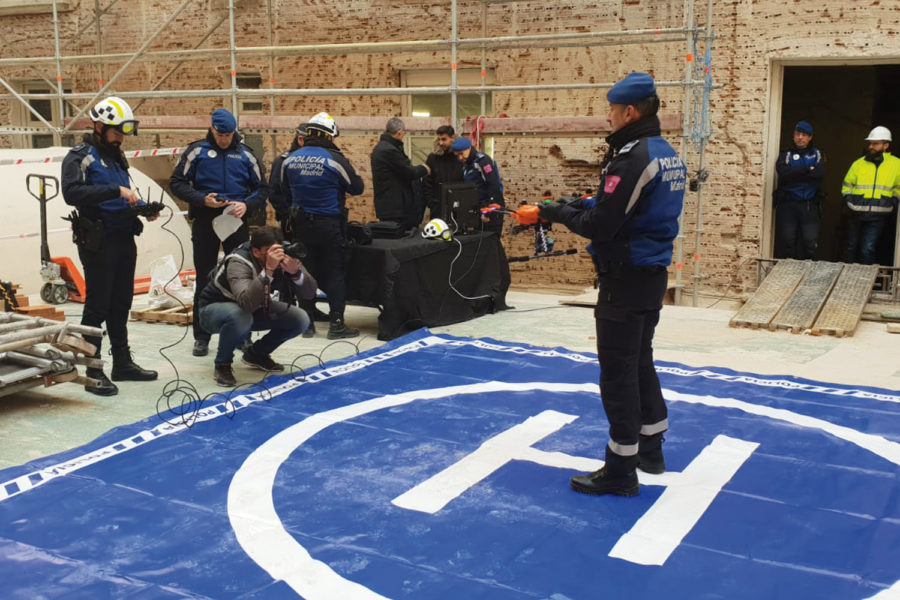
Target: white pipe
582, 39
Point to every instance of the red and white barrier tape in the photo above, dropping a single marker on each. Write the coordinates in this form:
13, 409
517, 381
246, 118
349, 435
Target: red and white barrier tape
128, 154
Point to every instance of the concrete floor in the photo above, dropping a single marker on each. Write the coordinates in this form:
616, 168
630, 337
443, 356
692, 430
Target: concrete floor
45, 421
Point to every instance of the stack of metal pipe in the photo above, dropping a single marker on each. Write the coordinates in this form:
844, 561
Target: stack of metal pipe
36, 351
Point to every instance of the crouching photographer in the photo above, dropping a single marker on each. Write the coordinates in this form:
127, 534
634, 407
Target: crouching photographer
255, 289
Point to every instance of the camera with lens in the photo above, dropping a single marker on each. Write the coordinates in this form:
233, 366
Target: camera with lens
295, 250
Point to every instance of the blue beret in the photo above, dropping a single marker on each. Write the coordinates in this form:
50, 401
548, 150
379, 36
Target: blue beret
223, 121
461, 143
804, 127
634, 87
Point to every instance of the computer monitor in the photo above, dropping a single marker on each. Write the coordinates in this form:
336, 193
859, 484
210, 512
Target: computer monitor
459, 206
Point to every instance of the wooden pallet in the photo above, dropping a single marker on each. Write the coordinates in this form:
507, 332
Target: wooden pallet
178, 315
845, 304
774, 292
804, 305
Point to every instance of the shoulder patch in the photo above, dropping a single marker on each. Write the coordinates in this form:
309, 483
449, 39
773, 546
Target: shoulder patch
80, 146
627, 147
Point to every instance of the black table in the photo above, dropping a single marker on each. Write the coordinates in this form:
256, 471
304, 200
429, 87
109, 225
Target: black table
409, 279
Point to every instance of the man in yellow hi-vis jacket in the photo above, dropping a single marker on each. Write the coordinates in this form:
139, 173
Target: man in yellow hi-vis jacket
871, 189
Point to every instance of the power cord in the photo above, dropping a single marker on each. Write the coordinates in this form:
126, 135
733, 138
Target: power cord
180, 402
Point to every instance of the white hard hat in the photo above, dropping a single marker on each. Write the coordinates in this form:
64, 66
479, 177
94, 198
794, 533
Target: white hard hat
879, 134
436, 229
323, 122
116, 113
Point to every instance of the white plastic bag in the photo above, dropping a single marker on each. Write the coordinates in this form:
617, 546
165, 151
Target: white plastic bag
166, 289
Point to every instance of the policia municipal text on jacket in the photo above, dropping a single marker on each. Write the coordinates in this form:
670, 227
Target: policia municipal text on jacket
95, 180
871, 189
631, 228
213, 173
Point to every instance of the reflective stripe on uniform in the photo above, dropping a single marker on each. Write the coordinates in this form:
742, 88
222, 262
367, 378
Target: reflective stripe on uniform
190, 159
654, 428
623, 449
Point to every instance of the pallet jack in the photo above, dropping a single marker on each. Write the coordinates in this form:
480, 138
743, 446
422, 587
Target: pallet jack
62, 281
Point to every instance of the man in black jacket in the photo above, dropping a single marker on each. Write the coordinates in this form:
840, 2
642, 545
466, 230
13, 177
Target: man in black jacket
395, 180
444, 169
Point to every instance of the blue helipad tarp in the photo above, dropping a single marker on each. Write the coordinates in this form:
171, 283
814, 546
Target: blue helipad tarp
437, 468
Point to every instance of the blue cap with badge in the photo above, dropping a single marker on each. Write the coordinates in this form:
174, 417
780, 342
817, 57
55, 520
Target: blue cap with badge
634, 87
460, 143
223, 121
804, 127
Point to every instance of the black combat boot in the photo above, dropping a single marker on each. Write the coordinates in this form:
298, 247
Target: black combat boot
604, 481
337, 329
650, 454
106, 387
125, 369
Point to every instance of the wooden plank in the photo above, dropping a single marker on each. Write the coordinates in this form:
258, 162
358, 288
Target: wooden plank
42, 310
773, 293
804, 305
848, 298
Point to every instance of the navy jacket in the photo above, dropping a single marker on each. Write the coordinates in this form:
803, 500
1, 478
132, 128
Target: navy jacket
635, 218
800, 174
233, 174
91, 176
276, 195
481, 170
317, 177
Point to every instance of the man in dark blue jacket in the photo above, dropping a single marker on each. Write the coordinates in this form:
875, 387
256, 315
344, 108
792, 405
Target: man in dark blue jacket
800, 171
480, 169
95, 180
214, 173
315, 180
631, 227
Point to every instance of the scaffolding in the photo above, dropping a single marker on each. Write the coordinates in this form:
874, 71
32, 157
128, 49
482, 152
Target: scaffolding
696, 83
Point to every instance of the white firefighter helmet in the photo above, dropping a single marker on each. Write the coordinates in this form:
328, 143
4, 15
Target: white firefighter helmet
436, 229
879, 134
323, 122
116, 113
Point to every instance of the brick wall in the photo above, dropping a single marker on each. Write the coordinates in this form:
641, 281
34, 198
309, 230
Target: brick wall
750, 35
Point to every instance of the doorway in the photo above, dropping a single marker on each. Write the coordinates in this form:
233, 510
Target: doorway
843, 103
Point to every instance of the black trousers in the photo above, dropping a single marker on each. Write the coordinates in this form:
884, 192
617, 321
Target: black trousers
206, 244
797, 226
326, 259
627, 312
109, 287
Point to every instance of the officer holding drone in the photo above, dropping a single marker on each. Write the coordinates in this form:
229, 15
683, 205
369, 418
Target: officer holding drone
95, 180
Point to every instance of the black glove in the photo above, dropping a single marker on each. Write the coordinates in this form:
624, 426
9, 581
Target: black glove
551, 212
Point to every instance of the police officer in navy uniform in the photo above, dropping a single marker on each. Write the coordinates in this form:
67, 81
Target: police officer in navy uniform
316, 179
213, 173
631, 227
480, 169
282, 208
95, 180
800, 171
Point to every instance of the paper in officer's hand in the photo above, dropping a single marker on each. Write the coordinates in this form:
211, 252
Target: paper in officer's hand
226, 224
